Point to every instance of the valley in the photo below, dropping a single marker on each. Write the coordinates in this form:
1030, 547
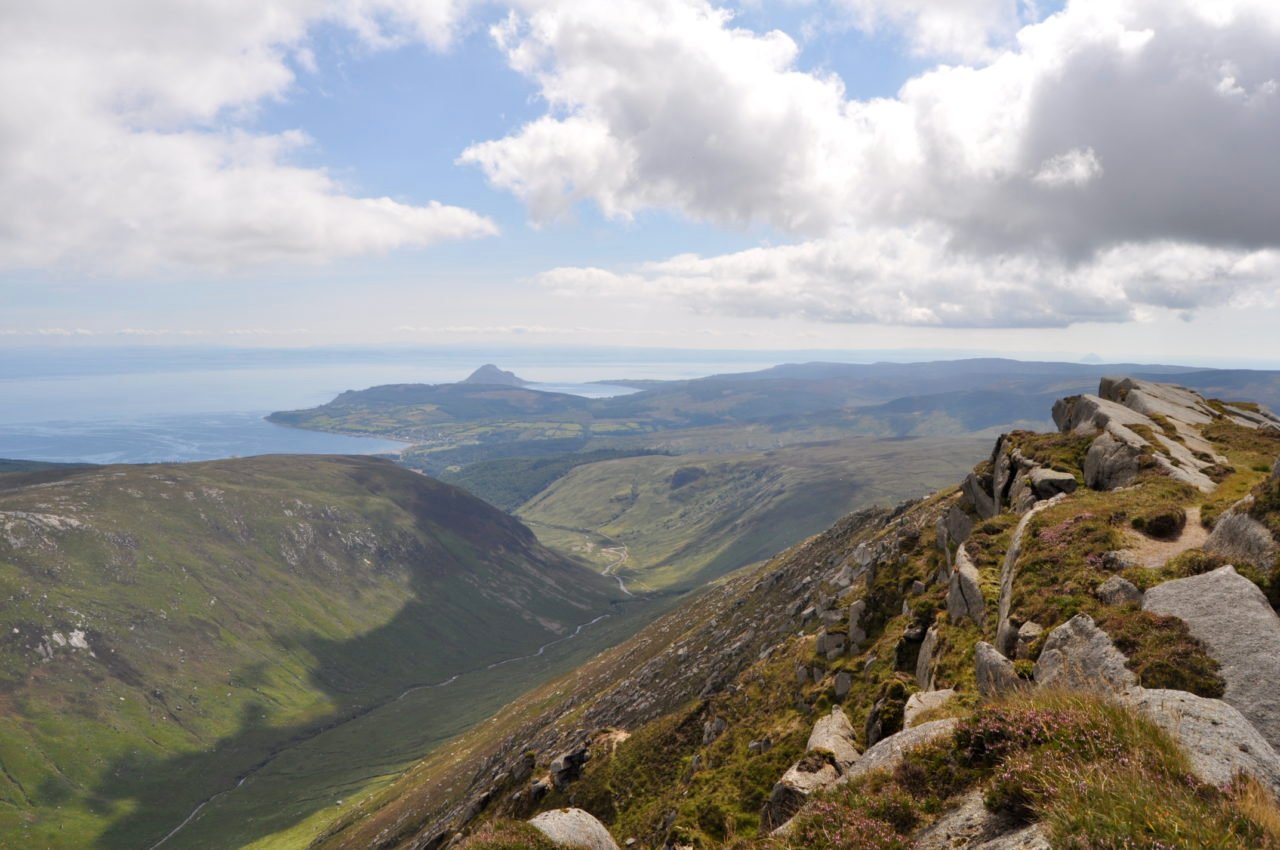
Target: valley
170, 628
689, 519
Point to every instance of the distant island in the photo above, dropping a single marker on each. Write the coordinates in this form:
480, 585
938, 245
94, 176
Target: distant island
493, 376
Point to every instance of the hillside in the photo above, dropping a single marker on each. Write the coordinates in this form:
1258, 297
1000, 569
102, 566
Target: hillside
453, 425
1071, 649
170, 627
491, 374
664, 522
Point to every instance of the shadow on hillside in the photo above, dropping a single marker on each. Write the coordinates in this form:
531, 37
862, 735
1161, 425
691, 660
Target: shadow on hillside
154, 786
444, 630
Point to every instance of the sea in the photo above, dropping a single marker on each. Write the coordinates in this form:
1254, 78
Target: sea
147, 405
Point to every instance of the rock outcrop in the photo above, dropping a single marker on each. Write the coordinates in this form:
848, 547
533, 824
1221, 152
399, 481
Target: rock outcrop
994, 672
953, 528
889, 752
924, 701
831, 645
567, 767
1079, 656
1024, 644
925, 660
834, 734
1139, 423
1241, 539
964, 595
1118, 591
812, 773
1218, 740
1234, 620
831, 752
976, 492
1016, 482
970, 826
574, 828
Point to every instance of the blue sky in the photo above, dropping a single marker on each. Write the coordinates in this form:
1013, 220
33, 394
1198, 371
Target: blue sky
981, 174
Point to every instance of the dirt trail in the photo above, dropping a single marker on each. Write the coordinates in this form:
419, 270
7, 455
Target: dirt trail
1154, 554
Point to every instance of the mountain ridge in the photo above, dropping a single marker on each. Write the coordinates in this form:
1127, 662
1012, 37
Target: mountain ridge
966, 595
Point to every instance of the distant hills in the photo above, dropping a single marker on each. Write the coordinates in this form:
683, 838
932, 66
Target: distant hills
815, 437
169, 627
492, 375
495, 409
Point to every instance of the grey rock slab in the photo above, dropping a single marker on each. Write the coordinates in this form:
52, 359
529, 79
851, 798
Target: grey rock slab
1152, 399
1242, 539
1218, 740
1047, 483
1028, 633
923, 701
924, 661
1022, 496
1232, 617
1027, 838
964, 595
831, 645
889, 752
1121, 405
791, 791
978, 496
1118, 591
842, 684
1110, 463
1080, 656
994, 672
970, 826
574, 828
958, 524
833, 733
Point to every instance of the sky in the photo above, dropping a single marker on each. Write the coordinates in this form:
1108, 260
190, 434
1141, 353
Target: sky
1095, 177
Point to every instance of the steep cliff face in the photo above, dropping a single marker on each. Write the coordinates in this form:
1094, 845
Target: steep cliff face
967, 670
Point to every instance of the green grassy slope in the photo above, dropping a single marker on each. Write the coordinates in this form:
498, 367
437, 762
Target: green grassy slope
744, 651
165, 628
686, 520
508, 483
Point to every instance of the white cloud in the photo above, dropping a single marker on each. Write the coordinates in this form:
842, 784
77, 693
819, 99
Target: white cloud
664, 103
1050, 183
117, 132
962, 29
909, 277
1074, 168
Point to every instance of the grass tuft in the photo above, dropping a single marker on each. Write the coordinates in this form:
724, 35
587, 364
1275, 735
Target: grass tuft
507, 835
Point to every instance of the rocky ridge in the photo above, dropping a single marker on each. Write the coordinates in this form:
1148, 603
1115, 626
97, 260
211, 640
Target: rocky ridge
875, 642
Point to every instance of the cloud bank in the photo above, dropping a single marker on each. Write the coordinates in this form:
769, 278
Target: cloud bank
1114, 158
119, 147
